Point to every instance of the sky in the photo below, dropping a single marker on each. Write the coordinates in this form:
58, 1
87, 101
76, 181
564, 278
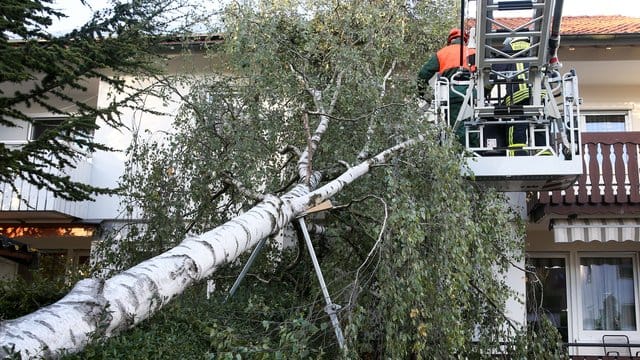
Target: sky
78, 14
601, 7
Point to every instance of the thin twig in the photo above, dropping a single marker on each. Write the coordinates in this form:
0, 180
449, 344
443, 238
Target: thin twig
287, 185
371, 252
357, 118
211, 199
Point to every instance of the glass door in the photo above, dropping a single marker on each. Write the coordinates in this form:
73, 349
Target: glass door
547, 293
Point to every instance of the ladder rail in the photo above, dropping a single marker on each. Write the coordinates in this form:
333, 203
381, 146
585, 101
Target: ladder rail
514, 89
489, 31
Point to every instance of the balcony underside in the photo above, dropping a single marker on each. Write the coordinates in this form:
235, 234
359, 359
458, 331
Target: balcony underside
35, 217
525, 173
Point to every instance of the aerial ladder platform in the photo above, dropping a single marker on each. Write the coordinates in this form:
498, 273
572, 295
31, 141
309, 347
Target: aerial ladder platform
550, 155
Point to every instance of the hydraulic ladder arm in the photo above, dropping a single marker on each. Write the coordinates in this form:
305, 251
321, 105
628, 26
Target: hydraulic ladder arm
550, 155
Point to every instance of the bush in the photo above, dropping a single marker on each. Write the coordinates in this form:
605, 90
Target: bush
20, 297
252, 325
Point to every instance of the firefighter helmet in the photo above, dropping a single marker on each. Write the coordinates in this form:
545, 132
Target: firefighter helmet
456, 33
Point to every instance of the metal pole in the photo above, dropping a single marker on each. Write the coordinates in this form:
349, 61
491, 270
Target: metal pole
462, 60
331, 308
246, 267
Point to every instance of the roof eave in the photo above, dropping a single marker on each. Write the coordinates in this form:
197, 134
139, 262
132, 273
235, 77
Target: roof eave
600, 40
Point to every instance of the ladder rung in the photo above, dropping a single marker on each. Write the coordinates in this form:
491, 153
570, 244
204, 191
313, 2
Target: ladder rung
514, 5
493, 52
526, 60
515, 110
512, 54
534, 24
527, 108
509, 81
506, 34
494, 111
498, 121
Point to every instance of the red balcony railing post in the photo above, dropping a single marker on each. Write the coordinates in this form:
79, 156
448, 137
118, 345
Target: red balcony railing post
634, 178
607, 173
611, 175
593, 174
620, 172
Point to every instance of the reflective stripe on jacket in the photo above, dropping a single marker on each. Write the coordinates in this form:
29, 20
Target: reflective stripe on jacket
522, 92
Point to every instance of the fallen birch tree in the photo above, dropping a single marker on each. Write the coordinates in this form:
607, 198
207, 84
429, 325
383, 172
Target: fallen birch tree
97, 308
105, 307
415, 280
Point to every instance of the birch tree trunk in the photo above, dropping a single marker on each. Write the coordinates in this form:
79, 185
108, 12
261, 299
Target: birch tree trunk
97, 308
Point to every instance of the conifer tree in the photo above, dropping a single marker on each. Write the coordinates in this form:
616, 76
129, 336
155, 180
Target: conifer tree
52, 72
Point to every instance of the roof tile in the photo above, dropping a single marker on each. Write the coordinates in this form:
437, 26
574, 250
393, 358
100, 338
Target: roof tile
586, 25
600, 25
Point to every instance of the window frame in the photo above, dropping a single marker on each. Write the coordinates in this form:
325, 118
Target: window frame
585, 113
58, 118
596, 335
39, 120
26, 136
568, 263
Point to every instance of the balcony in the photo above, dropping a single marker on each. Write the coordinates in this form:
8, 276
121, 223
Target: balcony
610, 183
28, 203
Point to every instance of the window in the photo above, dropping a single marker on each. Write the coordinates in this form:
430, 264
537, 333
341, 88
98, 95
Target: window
60, 264
611, 121
585, 295
607, 288
53, 264
40, 126
25, 131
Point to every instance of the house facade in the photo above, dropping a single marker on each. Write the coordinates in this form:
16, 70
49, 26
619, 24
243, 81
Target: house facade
583, 243
56, 233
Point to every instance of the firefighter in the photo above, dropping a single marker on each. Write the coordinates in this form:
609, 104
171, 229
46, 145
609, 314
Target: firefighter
518, 93
446, 62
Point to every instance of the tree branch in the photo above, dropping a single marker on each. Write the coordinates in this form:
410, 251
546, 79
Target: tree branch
251, 194
140, 291
371, 127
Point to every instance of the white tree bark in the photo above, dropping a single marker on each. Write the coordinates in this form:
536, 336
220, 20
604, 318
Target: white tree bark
100, 308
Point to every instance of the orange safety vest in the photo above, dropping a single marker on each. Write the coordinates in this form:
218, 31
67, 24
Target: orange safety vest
449, 57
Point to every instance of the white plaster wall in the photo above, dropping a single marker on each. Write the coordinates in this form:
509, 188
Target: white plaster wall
515, 277
609, 78
108, 167
515, 306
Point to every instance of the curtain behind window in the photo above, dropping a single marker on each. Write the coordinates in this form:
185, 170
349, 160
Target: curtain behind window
608, 301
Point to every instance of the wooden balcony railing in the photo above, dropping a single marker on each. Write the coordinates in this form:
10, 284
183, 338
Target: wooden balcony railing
610, 179
28, 198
